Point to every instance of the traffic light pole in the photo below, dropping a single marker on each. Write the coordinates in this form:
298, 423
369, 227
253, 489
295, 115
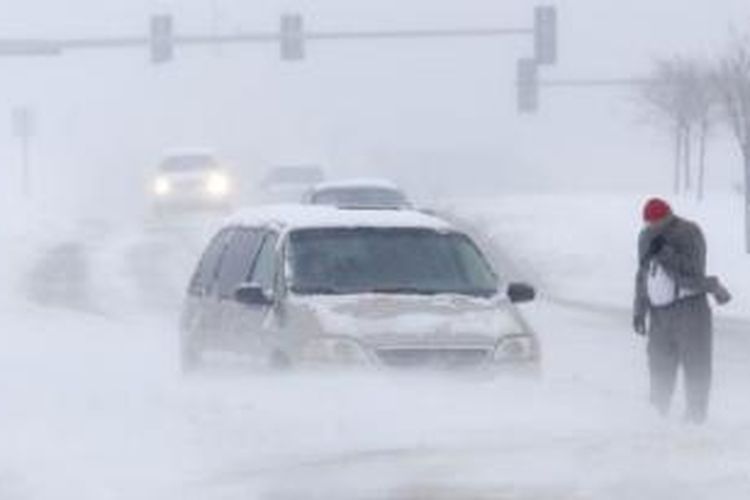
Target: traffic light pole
16, 48
292, 38
59, 46
597, 82
411, 34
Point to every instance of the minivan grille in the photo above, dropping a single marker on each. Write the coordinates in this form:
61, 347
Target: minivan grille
432, 357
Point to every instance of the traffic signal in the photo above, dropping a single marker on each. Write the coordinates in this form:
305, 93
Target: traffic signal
528, 86
292, 37
162, 39
545, 34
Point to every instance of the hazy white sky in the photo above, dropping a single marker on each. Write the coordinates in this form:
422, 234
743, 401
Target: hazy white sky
400, 108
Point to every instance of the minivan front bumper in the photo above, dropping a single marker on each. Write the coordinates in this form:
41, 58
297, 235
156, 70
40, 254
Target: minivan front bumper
511, 353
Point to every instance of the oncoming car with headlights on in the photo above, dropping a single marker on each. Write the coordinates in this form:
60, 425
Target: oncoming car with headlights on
191, 181
305, 286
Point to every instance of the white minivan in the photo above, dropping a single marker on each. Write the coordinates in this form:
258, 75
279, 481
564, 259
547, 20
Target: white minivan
303, 286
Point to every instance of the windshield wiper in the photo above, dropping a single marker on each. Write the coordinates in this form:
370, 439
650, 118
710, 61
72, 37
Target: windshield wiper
391, 290
477, 292
410, 290
472, 292
318, 290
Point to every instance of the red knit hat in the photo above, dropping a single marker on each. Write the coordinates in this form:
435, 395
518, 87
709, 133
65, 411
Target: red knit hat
655, 210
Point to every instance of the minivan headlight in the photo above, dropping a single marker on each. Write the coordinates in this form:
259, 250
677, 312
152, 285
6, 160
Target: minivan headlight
517, 347
335, 350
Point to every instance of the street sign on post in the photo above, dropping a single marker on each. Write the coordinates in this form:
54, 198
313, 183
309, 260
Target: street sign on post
292, 37
23, 122
545, 34
24, 128
528, 86
162, 38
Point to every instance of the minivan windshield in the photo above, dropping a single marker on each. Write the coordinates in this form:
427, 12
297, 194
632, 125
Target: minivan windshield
387, 260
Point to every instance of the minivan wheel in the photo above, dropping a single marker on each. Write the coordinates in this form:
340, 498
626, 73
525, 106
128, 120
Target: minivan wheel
280, 361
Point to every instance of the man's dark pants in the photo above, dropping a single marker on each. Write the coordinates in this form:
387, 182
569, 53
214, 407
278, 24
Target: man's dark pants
680, 335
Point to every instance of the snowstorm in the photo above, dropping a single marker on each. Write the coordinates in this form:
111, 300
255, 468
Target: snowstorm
374, 250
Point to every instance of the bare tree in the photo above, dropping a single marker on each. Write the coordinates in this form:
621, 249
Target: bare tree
733, 82
680, 94
662, 102
704, 111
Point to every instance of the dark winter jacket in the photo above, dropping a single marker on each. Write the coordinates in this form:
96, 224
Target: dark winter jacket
679, 247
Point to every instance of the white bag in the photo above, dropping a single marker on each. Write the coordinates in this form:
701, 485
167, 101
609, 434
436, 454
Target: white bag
661, 288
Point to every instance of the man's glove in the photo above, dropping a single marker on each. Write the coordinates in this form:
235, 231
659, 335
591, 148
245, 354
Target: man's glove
639, 324
656, 245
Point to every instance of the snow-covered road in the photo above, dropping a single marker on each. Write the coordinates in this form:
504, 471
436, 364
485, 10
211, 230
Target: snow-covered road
93, 407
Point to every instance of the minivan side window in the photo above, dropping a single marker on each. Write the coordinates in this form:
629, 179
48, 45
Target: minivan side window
238, 260
205, 273
264, 272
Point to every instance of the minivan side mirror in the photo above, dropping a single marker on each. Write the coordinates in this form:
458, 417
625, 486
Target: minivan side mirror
521, 292
252, 294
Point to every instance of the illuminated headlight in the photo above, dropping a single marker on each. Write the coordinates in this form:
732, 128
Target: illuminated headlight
162, 186
217, 185
517, 348
335, 350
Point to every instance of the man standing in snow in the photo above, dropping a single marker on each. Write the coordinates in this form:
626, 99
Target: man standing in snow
671, 306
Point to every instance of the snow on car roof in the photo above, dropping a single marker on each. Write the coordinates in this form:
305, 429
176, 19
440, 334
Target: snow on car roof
357, 183
291, 217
